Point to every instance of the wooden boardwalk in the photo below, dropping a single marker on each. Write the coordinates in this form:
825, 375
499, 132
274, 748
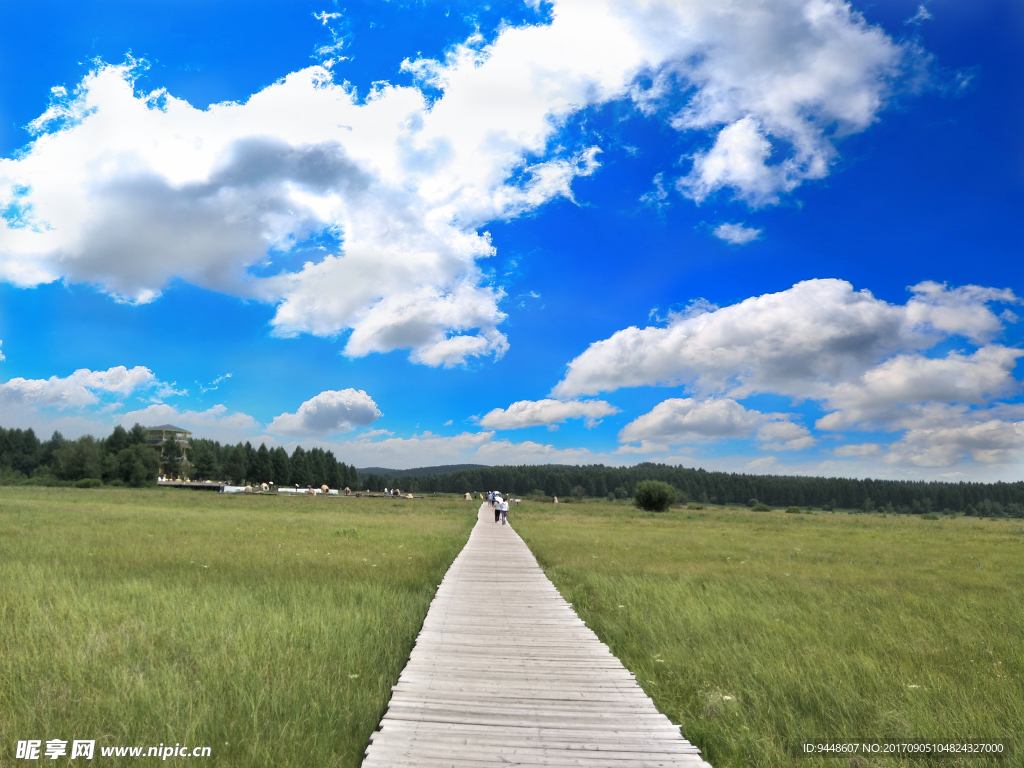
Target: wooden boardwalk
504, 673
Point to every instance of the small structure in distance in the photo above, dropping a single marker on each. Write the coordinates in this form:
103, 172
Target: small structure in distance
158, 437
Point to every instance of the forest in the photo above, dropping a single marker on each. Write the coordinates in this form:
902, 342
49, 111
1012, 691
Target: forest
125, 458
698, 485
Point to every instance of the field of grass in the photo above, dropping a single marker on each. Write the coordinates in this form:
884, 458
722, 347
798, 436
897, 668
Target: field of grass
757, 629
269, 629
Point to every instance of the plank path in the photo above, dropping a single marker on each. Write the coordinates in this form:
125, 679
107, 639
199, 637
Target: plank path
505, 673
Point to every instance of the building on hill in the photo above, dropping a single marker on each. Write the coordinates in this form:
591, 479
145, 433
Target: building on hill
158, 437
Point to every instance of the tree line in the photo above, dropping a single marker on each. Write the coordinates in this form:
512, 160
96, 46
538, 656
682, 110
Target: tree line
125, 458
240, 463
698, 485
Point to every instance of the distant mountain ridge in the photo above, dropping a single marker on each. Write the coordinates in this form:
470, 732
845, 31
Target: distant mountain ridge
419, 471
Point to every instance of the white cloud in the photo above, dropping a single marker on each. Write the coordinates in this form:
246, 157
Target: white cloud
959, 311
921, 15
215, 423
781, 73
428, 449
784, 435
329, 412
863, 449
680, 420
646, 447
82, 388
2, 358
213, 385
739, 159
864, 360
989, 441
657, 196
764, 464
817, 333
127, 191
878, 395
533, 413
736, 234
674, 420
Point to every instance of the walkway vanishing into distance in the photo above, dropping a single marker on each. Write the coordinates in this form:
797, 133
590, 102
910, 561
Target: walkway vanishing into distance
504, 673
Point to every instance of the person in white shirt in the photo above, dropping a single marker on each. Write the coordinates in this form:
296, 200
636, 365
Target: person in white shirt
504, 511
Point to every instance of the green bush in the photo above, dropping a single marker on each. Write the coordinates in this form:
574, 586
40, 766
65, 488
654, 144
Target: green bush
89, 482
793, 510
753, 503
827, 507
694, 505
654, 495
759, 507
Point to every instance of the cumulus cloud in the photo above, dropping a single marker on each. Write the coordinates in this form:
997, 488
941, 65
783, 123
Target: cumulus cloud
869, 363
736, 234
213, 423
817, 333
676, 419
679, 420
880, 394
82, 388
989, 441
767, 90
533, 413
784, 435
128, 190
329, 412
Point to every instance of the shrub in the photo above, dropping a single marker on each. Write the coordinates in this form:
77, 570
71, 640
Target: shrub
759, 507
694, 505
793, 510
753, 503
827, 507
929, 516
89, 482
621, 493
654, 495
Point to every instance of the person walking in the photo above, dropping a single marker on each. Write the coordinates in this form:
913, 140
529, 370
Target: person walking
504, 511
497, 506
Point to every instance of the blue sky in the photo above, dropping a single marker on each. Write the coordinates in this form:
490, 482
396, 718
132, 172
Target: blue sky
770, 237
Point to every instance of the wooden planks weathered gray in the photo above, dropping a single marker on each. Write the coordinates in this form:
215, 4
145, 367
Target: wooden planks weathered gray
505, 673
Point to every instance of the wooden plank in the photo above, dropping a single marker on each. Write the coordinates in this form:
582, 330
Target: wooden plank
505, 673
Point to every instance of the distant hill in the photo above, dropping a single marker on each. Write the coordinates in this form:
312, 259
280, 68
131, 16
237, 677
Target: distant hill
418, 471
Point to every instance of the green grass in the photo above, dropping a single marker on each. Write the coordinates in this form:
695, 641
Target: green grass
755, 629
270, 629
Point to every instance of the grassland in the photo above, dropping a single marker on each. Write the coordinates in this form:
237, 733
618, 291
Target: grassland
755, 630
269, 629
